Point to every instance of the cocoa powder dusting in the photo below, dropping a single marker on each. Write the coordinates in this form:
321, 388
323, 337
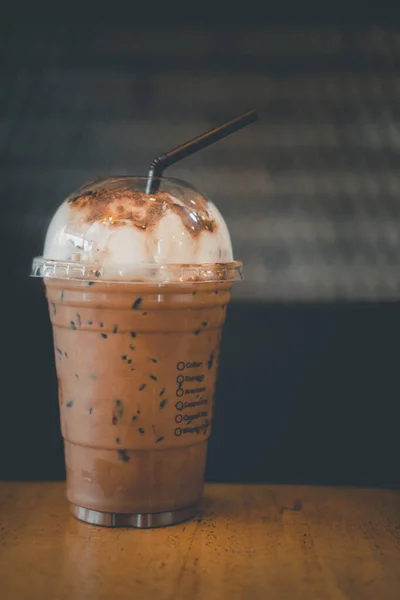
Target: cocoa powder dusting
115, 208
194, 222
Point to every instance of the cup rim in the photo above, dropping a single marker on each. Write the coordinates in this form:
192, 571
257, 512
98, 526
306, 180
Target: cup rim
46, 268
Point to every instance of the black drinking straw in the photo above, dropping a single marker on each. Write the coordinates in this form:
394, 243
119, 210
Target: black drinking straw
160, 163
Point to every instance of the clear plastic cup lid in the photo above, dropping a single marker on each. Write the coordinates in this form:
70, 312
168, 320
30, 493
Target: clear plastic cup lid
110, 230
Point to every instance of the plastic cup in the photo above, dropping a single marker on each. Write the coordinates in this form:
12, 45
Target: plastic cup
136, 351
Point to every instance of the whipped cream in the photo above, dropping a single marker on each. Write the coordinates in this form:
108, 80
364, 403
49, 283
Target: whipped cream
121, 229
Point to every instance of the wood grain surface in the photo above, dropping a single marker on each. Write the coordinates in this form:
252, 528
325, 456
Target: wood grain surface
279, 542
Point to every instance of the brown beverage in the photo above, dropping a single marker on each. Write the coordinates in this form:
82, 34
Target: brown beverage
136, 374
136, 367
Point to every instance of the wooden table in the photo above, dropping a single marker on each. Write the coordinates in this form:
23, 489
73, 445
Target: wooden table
253, 541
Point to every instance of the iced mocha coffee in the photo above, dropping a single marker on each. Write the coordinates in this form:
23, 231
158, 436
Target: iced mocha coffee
137, 286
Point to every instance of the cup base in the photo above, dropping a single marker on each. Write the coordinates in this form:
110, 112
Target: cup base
139, 520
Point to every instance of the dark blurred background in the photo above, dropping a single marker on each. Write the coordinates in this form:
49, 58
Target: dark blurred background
311, 195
